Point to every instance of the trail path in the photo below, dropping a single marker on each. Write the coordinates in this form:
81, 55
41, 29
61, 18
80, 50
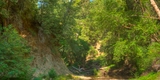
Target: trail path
98, 78
102, 75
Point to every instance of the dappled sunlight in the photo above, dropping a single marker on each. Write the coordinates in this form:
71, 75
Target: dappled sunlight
23, 35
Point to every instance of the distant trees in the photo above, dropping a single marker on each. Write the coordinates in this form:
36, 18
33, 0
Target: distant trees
126, 29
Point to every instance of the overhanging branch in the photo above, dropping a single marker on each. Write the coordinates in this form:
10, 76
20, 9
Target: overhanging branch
153, 3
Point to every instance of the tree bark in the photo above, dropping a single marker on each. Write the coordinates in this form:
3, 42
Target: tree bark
153, 3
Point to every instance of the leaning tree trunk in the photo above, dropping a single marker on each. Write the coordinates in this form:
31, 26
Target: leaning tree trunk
153, 3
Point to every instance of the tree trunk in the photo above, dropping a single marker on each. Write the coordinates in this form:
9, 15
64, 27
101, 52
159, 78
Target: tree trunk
153, 3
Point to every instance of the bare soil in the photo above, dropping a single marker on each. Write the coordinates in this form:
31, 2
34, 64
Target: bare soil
45, 57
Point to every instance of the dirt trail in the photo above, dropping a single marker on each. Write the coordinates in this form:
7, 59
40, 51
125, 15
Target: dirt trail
98, 78
102, 74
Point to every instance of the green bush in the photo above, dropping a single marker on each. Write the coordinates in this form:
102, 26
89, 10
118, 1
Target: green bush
13, 48
37, 78
134, 47
150, 76
52, 73
75, 52
95, 72
64, 77
101, 60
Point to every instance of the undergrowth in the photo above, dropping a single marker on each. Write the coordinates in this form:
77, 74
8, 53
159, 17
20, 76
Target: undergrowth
150, 76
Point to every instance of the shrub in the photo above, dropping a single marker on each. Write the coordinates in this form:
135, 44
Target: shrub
64, 77
150, 76
52, 73
95, 72
13, 63
37, 78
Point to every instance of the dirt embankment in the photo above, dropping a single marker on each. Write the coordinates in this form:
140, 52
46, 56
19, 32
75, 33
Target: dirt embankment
44, 56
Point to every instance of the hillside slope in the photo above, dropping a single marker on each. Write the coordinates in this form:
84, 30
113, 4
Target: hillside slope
45, 56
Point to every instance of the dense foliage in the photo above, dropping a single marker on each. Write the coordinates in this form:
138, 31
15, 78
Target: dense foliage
126, 30
13, 62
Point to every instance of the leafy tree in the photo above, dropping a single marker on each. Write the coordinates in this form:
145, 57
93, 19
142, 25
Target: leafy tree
74, 47
75, 52
14, 62
125, 29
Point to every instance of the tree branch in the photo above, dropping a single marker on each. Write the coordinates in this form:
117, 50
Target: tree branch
153, 3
